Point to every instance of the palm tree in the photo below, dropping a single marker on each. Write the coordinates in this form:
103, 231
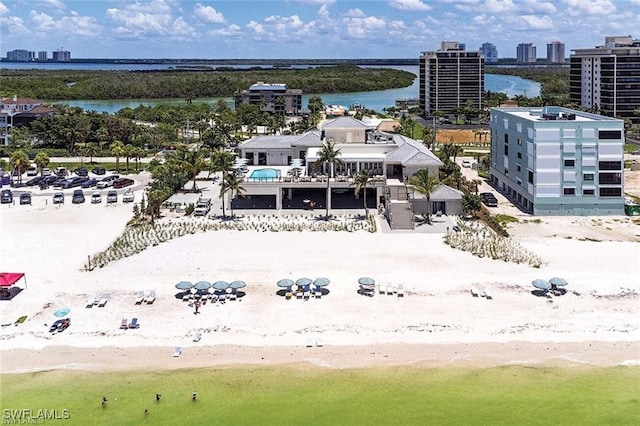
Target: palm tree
42, 161
117, 150
138, 153
19, 162
231, 183
192, 161
424, 184
328, 155
361, 181
90, 149
128, 153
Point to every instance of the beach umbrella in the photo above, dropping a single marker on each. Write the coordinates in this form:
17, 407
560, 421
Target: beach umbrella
202, 285
541, 284
557, 281
237, 284
184, 285
285, 283
220, 285
62, 312
321, 282
366, 281
303, 281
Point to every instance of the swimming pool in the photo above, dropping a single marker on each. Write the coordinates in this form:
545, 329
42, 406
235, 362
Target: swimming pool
264, 175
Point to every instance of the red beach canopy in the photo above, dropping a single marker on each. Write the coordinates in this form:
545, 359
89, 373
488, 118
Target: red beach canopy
7, 279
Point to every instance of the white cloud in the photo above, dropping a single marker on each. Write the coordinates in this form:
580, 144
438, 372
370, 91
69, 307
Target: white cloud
363, 27
182, 30
256, 27
536, 6
73, 24
410, 5
534, 22
230, 31
208, 14
636, 2
3, 9
140, 19
12, 25
56, 4
483, 19
590, 7
355, 13
499, 6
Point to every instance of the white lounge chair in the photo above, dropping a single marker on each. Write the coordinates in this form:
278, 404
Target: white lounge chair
318, 292
103, 300
309, 342
306, 293
151, 297
92, 301
401, 290
177, 351
474, 292
486, 294
319, 342
380, 289
186, 297
233, 295
197, 336
140, 297
390, 289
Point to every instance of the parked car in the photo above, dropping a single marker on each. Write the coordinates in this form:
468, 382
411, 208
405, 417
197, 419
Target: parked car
32, 171
59, 182
58, 198
466, 164
6, 197
74, 182
98, 171
82, 171
46, 171
107, 181
202, 207
89, 183
25, 198
122, 182
490, 201
35, 181
96, 198
112, 197
128, 196
62, 172
78, 197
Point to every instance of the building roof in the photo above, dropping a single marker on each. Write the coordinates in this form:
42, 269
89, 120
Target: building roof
411, 152
445, 193
268, 86
20, 101
36, 112
553, 114
283, 141
345, 123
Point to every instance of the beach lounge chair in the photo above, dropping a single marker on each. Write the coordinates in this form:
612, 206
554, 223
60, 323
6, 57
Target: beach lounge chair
103, 300
474, 292
306, 293
177, 351
197, 336
390, 289
140, 297
319, 342
123, 324
309, 343
299, 293
318, 292
151, 297
380, 288
486, 294
92, 301
288, 295
55, 325
134, 323
186, 296
400, 290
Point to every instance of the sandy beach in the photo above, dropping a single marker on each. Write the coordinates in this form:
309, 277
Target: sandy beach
437, 323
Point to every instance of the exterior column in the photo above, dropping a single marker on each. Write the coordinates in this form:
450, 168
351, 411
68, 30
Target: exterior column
289, 193
279, 199
329, 197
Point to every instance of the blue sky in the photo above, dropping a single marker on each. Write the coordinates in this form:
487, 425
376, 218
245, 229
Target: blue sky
305, 28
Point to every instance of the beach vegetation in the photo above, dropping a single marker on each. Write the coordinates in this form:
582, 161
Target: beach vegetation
42, 161
328, 157
19, 162
424, 184
361, 182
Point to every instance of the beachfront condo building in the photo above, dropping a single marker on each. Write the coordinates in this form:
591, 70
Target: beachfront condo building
15, 112
273, 98
526, 52
555, 52
449, 78
490, 53
558, 161
606, 79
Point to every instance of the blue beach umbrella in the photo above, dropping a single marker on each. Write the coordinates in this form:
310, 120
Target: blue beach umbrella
220, 285
321, 282
202, 285
366, 281
557, 281
285, 283
184, 285
541, 284
62, 312
237, 284
303, 281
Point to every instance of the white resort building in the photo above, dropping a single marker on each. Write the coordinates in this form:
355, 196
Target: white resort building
281, 171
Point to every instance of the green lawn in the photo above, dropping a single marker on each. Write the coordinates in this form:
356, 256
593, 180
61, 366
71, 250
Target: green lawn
308, 395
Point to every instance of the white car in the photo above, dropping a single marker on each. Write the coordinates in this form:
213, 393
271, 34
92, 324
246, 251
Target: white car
466, 164
128, 196
96, 198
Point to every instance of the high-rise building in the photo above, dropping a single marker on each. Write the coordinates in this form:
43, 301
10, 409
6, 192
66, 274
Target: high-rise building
42, 56
526, 52
20, 55
450, 77
555, 52
274, 98
490, 53
607, 78
61, 56
558, 161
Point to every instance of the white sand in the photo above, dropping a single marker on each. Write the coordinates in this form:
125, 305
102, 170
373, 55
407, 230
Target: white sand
50, 244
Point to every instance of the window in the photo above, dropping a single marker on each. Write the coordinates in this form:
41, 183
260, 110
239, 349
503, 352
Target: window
610, 165
610, 192
506, 150
589, 192
518, 168
569, 163
588, 177
530, 177
569, 191
610, 134
506, 138
519, 142
610, 178
520, 155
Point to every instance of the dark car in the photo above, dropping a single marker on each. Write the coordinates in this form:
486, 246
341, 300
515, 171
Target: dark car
490, 202
25, 198
78, 197
98, 170
35, 181
82, 171
74, 182
90, 183
122, 182
6, 197
58, 198
59, 182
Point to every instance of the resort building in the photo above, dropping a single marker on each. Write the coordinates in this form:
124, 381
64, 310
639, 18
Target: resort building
450, 77
555, 52
526, 52
282, 173
606, 79
273, 98
17, 111
490, 53
558, 161
20, 55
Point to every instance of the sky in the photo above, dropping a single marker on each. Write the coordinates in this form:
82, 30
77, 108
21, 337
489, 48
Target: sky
305, 29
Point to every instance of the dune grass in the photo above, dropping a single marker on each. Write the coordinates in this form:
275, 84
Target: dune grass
308, 395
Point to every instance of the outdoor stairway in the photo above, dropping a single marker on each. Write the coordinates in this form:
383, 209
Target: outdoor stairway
399, 211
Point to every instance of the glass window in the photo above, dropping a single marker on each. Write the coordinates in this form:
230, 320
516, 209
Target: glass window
610, 165
610, 134
589, 192
569, 191
530, 177
610, 192
588, 177
610, 178
569, 163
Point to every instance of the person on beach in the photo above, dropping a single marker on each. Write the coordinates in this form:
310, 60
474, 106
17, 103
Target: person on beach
158, 396
146, 412
194, 396
196, 306
104, 402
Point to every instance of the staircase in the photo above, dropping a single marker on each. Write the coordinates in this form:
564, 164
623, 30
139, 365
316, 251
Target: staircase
399, 213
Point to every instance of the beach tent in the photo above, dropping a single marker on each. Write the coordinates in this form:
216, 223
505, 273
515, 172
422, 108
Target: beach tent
8, 279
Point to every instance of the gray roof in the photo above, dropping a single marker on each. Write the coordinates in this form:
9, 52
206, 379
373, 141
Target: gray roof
411, 152
445, 193
346, 123
283, 141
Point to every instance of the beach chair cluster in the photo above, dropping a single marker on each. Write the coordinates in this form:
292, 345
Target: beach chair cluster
304, 292
146, 297
99, 299
124, 325
484, 293
317, 342
390, 289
